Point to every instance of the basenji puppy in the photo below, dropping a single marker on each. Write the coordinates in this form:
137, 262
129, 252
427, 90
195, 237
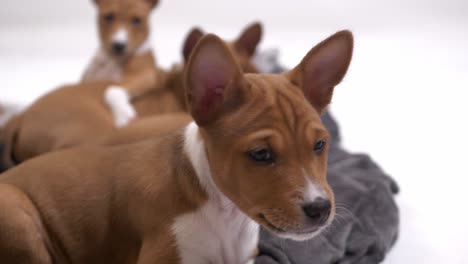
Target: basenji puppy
255, 154
125, 56
75, 115
156, 102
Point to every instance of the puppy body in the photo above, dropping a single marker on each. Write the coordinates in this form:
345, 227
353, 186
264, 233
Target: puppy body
124, 215
125, 56
69, 116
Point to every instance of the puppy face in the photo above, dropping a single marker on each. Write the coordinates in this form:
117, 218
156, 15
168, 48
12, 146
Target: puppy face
266, 146
124, 25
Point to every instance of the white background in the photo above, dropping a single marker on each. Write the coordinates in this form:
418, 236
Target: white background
404, 100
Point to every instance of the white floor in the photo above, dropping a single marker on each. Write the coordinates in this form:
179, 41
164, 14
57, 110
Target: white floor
404, 101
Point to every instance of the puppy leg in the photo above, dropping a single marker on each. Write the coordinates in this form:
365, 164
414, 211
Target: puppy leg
21, 237
119, 101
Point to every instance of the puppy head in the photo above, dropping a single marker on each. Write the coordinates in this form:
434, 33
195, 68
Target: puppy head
243, 48
124, 25
266, 146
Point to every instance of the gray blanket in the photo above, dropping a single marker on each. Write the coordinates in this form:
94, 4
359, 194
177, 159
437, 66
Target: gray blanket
367, 221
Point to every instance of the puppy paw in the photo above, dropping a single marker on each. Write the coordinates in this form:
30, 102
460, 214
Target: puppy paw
118, 100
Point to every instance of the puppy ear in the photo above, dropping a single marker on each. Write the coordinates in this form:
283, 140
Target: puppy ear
250, 38
212, 80
323, 68
152, 3
192, 39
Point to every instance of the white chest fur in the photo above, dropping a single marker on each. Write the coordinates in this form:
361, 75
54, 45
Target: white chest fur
103, 68
218, 232
216, 235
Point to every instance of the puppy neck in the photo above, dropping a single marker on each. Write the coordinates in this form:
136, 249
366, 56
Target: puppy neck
194, 147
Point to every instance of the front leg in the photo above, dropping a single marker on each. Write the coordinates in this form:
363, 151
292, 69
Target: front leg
119, 98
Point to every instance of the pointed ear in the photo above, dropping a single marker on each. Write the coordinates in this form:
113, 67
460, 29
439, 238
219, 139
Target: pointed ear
152, 3
323, 68
250, 38
212, 79
192, 39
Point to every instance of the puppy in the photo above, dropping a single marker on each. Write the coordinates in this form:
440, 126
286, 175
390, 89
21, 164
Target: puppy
125, 56
256, 153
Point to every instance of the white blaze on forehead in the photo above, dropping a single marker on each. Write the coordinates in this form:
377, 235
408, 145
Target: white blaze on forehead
120, 36
313, 190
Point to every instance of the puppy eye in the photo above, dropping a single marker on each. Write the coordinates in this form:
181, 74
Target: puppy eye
264, 156
136, 21
319, 146
109, 18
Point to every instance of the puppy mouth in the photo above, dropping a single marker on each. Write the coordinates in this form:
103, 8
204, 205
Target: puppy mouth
274, 228
265, 222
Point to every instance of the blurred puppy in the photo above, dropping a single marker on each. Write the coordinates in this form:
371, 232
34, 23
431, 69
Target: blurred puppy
125, 56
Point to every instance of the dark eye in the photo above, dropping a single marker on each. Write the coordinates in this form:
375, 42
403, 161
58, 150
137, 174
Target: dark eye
109, 17
136, 21
264, 156
319, 146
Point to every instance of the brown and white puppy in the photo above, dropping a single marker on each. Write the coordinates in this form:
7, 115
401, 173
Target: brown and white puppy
255, 154
125, 56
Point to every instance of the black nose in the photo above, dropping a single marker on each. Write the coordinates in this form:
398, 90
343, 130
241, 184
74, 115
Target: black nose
119, 47
318, 211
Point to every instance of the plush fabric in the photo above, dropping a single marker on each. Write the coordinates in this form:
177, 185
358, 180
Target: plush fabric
367, 221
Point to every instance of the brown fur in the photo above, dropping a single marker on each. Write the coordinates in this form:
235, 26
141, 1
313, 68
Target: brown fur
147, 128
9, 137
69, 116
117, 204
